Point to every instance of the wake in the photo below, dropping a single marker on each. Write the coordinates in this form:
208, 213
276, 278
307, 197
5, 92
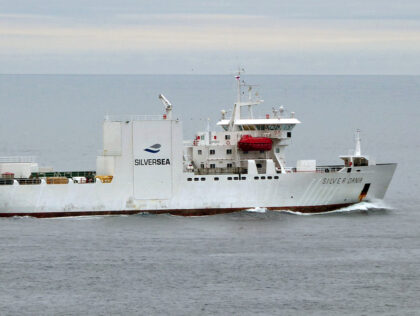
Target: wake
355, 208
257, 210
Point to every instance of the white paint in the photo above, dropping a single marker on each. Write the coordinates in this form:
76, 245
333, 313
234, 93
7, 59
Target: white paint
306, 165
151, 171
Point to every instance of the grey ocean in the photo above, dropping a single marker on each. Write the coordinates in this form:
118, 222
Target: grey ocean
359, 261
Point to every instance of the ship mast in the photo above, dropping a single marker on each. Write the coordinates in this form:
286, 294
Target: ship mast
357, 148
238, 80
236, 114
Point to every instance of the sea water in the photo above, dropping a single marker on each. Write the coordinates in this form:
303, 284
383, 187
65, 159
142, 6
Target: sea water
362, 260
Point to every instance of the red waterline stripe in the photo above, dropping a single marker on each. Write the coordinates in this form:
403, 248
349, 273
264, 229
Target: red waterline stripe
180, 212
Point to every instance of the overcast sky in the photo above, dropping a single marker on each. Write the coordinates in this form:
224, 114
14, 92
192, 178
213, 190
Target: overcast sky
198, 37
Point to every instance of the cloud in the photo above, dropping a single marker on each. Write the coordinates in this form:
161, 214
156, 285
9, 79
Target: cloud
182, 39
205, 32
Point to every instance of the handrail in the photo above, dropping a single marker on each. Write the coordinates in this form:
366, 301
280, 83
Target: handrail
129, 117
19, 159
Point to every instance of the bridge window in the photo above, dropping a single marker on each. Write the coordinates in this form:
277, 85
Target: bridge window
268, 127
229, 165
287, 127
202, 166
289, 134
212, 165
228, 151
227, 137
277, 150
249, 127
199, 151
212, 151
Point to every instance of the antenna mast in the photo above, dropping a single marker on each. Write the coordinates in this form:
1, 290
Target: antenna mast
238, 80
357, 149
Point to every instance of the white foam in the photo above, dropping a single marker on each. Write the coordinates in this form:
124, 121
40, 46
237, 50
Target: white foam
257, 210
362, 206
365, 206
77, 217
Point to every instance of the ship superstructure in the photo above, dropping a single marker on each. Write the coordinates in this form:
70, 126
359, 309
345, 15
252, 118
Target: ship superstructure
145, 166
245, 144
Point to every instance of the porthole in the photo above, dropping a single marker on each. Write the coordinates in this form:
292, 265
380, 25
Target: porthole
256, 178
189, 179
262, 178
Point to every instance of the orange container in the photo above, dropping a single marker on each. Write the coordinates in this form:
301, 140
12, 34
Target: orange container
57, 180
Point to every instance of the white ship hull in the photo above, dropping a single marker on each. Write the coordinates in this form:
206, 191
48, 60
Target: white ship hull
146, 167
303, 192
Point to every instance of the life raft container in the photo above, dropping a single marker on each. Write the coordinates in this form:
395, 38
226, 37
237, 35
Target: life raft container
249, 143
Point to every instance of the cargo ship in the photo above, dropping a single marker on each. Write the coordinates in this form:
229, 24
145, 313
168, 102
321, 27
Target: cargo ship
145, 166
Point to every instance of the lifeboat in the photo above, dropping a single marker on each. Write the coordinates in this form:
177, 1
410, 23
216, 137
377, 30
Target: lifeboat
249, 143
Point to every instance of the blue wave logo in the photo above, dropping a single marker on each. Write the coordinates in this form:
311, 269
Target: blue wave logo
153, 149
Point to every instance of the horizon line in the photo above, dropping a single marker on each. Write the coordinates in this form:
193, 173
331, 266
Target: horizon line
202, 74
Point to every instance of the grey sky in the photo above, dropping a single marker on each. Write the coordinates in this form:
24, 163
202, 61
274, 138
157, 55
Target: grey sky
284, 37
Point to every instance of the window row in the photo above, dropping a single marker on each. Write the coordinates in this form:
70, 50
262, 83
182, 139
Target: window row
268, 177
213, 152
235, 178
229, 151
263, 127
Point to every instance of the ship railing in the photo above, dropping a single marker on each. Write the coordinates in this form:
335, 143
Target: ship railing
90, 175
272, 116
328, 169
321, 169
18, 159
188, 143
127, 118
233, 170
